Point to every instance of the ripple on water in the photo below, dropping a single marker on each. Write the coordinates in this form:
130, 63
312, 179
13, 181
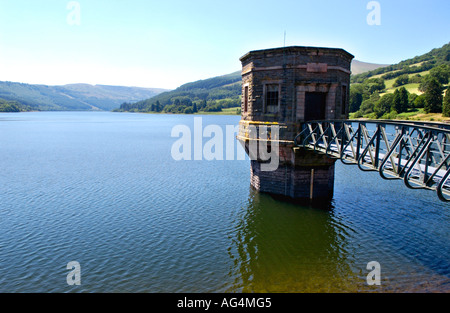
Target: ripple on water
103, 190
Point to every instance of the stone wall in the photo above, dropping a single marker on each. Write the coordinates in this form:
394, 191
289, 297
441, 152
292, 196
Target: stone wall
295, 69
311, 182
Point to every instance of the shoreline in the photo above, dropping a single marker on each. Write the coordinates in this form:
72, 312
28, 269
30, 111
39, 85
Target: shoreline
431, 119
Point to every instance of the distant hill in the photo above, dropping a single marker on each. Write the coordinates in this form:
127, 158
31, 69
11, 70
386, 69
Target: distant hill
359, 67
73, 96
208, 95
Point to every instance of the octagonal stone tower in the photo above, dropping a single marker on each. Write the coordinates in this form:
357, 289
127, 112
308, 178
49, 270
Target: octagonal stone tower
284, 87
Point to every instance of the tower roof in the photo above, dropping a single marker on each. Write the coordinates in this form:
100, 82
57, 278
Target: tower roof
297, 50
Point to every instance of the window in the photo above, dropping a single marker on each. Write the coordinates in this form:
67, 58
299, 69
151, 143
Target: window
272, 97
245, 99
344, 99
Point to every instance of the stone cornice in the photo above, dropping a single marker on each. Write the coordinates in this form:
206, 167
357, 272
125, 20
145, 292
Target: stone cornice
247, 70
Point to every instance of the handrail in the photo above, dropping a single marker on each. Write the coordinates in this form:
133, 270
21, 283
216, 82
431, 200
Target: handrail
424, 125
418, 152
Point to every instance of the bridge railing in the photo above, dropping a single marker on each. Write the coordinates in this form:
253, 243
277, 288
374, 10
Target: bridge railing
416, 152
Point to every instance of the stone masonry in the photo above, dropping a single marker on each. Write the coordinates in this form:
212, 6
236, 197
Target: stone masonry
285, 87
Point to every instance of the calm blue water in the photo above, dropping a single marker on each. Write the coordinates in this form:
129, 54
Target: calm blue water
102, 189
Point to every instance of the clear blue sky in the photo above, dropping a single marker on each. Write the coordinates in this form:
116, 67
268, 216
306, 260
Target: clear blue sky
167, 43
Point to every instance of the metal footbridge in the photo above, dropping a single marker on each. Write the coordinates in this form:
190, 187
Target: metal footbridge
416, 152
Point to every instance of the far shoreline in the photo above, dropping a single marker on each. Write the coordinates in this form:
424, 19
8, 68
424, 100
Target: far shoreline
433, 118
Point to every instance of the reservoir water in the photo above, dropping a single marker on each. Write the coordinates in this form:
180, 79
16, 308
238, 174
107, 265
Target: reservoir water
102, 189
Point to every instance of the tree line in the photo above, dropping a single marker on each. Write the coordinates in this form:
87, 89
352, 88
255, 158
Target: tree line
13, 106
181, 105
209, 95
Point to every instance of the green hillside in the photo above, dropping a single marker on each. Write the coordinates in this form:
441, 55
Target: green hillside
417, 64
209, 95
72, 97
413, 89
13, 106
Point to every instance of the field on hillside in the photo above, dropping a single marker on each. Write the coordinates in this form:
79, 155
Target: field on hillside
412, 87
225, 111
371, 93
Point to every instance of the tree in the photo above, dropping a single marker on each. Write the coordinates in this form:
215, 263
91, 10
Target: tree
188, 110
419, 102
423, 86
356, 97
374, 84
158, 106
441, 73
384, 105
194, 108
433, 96
416, 79
411, 98
401, 80
446, 104
368, 105
400, 100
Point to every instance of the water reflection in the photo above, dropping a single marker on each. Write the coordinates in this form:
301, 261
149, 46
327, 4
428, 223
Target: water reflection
282, 247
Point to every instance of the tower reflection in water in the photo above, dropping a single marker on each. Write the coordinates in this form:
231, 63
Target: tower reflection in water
281, 247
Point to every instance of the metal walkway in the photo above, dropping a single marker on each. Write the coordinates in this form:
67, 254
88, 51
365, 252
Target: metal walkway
416, 152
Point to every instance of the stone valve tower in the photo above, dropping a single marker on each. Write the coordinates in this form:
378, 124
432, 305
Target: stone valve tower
281, 89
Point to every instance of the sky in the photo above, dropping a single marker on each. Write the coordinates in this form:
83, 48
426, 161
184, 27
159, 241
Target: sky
166, 43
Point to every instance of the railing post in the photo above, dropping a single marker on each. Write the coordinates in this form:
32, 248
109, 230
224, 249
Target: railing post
427, 160
358, 142
400, 150
377, 147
